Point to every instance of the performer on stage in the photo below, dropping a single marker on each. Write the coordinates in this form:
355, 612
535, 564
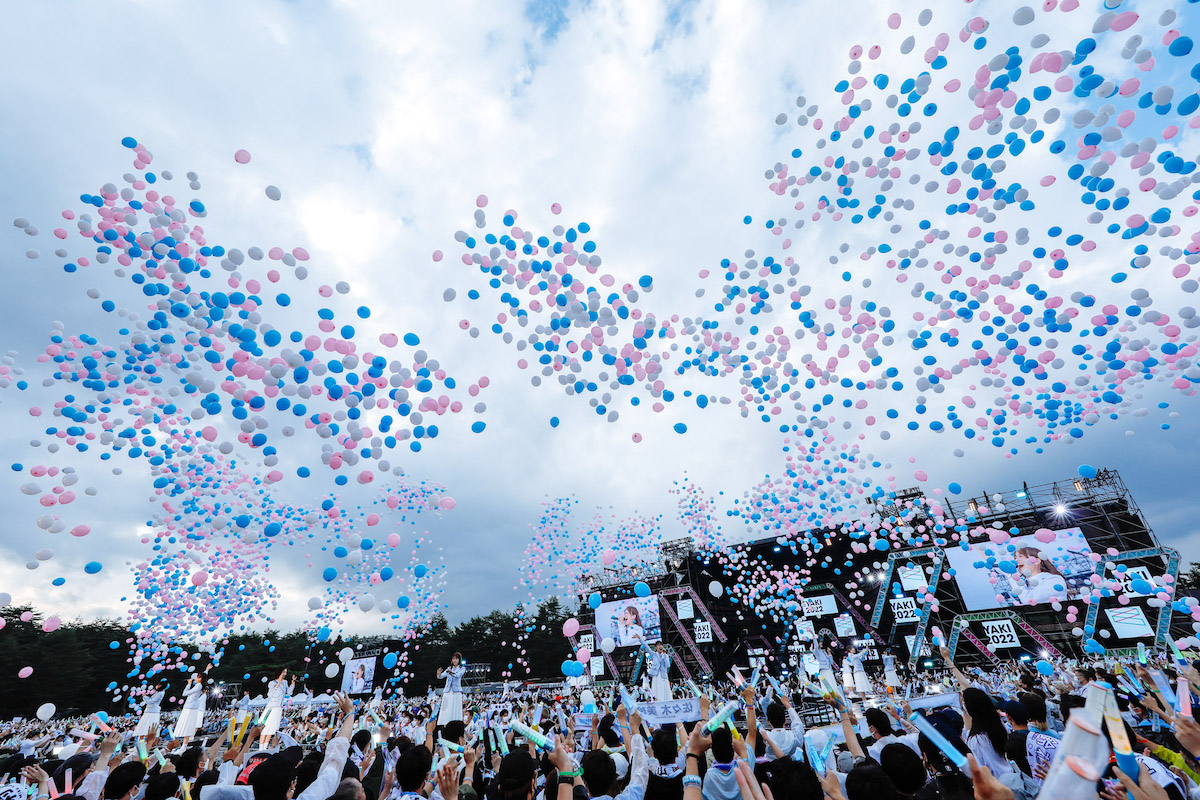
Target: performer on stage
452, 695
659, 667
151, 712
243, 709
889, 670
825, 663
862, 684
278, 692
192, 714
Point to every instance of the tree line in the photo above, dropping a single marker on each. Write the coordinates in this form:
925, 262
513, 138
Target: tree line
76, 668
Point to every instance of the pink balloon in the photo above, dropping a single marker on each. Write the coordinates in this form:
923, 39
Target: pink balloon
80, 530
393, 540
199, 578
242, 156
584, 655
570, 627
1045, 535
372, 519
448, 503
51, 624
25, 672
609, 557
209, 433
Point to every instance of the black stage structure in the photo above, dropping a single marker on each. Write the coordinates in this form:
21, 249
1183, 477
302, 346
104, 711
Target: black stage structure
708, 634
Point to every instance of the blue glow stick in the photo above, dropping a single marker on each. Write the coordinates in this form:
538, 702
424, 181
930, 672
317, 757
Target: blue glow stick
538, 739
754, 677
934, 735
814, 758
1164, 688
1141, 653
451, 746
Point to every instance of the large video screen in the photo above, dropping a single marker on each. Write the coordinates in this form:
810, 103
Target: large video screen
630, 622
992, 576
359, 676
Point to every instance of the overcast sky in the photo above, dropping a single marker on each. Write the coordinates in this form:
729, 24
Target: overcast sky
381, 123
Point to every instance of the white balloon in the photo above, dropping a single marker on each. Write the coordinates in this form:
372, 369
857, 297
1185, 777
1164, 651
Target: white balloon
314, 603
345, 654
716, 589
366, 602
607, 645
45, 711
5, 599
331, 670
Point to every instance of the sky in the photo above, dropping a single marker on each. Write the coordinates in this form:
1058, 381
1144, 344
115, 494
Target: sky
382, 123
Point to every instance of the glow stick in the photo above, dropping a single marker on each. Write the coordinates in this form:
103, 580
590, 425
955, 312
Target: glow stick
722, 716
754, 677
814, 758
101, 723
775, 685
1164, 687
934, 735
451, 746
1185, 697
141, 748
52, 789
562, 720
629, 701
694, 687
1122, 751
187, 790
161, 758
68, 782
538, 739
374, 716
1141, 653
91, 737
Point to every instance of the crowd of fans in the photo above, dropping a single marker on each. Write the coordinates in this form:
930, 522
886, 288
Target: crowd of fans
1100, 731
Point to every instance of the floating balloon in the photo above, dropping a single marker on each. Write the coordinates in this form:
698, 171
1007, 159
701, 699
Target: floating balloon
45, 712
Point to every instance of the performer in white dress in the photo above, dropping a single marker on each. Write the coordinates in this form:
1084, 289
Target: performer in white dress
151, 712
889, 670
243, 709
825, 664
277, 693
452, 695
862, 684
193, 710
659, 667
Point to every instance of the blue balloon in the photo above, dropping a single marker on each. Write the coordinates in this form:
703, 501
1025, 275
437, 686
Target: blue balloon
322, 634
1045, 668
419, 570
955, 488
641, 589
329, 574
389, 661
92, 567
402, 601
1088, 471
114, 645
102, 716
594, 600
566, 668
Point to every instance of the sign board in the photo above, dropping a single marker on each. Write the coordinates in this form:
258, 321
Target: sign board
684, 608
805, 630
1001, 633
843, 626
702, 632
587, 641
819, 606
597, 666
912, 578
904, 609
663, 712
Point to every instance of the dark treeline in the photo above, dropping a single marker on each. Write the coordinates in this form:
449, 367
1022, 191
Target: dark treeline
74, 666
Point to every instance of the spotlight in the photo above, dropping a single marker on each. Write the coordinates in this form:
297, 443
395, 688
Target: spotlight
1060, 510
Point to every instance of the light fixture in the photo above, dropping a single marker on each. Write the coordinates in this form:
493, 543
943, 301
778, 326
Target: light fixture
1022, 494
1060, 509
1079, 486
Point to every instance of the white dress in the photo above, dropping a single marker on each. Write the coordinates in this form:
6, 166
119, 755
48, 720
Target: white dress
192, 714
275, 697
889, 671
862, 684
825, 670
151, 713
660, 685
452, 696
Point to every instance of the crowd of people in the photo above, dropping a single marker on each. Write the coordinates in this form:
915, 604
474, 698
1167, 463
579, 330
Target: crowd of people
1103, 730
